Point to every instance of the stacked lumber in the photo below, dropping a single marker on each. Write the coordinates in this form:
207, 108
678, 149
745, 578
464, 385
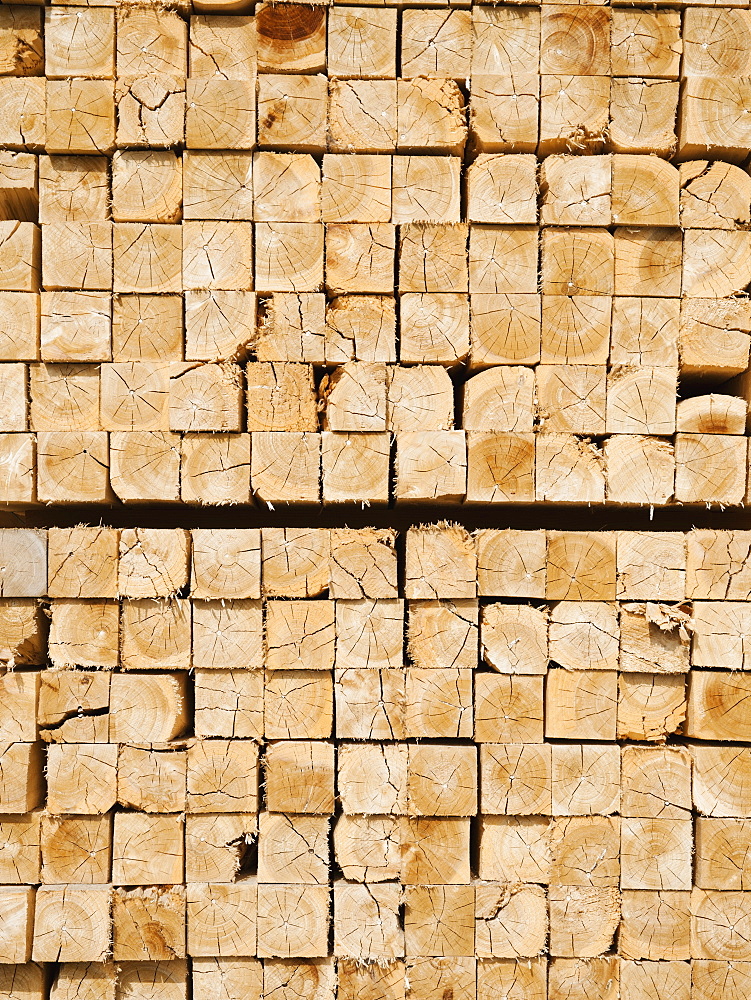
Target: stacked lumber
346, 763
290, 253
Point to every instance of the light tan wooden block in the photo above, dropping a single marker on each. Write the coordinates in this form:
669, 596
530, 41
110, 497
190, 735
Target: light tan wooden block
714, 700
142, 980
581, 566
441, 563
21, 789
644, 332
80, 116
229, 703
709, 468
719, 629
20, 859
434, 328
147, 328
281, 397
370, 704
651, 566
294, 561
72, 924
584, 635
13, 392
19, 325
717, 57
508, 707
369, 633
351, 127
442, 780
22, 49
443, 634
571, 194
288, 256
428, 928
718, 924
146, 186
639, 469
72, 467
227, 635
503, 259
433, 258
714, 262
651, 979
75, 326
577, 262
451, 52
585, 851
636, 183
275, 455
19, 198
150, 111
300, 777
291, 38
511, 563
84, 633
20, 692
372, 778
716, 564
568, 469
23, 555
583, 921
579, 702
702, 127
218, 185
353, 398
147, 849
439, 704
295, 848
64, 395
430, 115
561, 26
286, 188
645, 43
153, 562
368, 848
148, 708
366, 921
515, 847
151, 42
575, 328
499, 399
226, 977
574, 113
220, 114
370, 981
361, 43
502, 188
147, 257
82, 562
655, 925
73, 706
510, 923
571, 398
513, 99
525, 976
300, 635
293, 920
76, 849
515, 779
425, 189
355, 188
420, 398
364, 476
714, 336
713, 195
151, 777
505, 39
145, 465
360, 258
73, 189
436, 851
708, 976
17, 908
298, 705
222, 44
363, 327
162, 910
514, 638
22, 639
219, 324
712, 414
20, 253
585, 780
221, 918
216, 846
500, 467
654, 639
215, 469
292, 112
292, 326
363, 563
217, 255
23, 121
656, 854
720, 855
655, 782
643, 116
222, 776
318, 977
226, 563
